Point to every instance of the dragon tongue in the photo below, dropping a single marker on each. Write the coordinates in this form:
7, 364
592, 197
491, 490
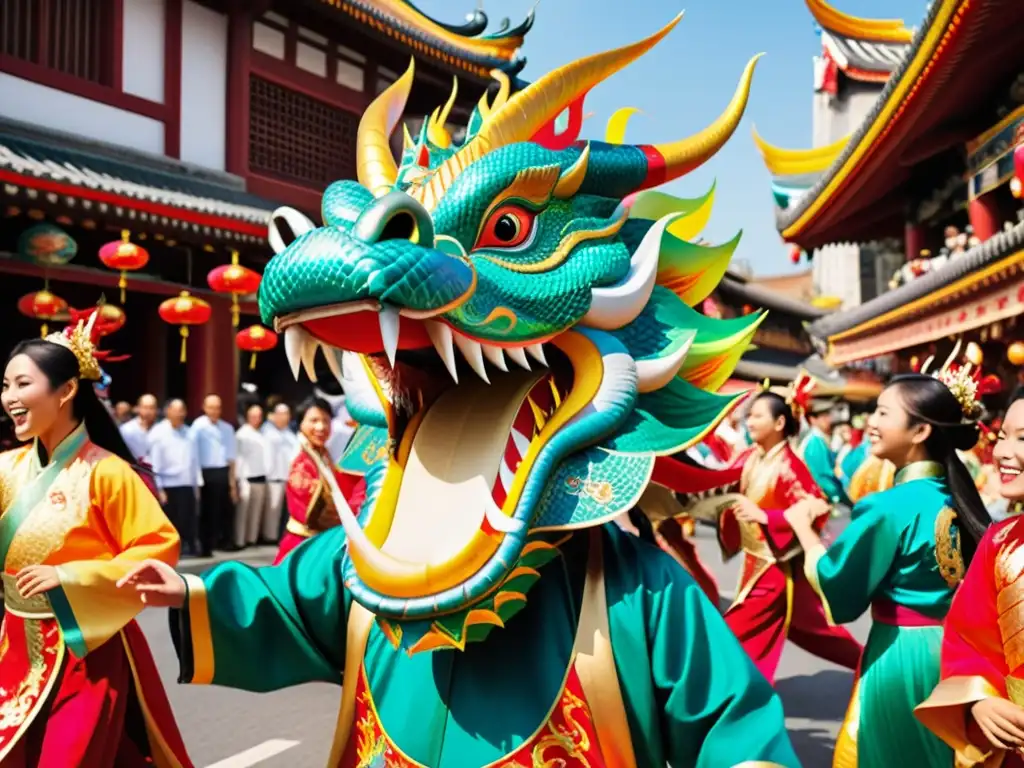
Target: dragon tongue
455, 455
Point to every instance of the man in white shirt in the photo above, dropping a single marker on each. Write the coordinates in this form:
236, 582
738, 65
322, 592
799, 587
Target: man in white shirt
175, 463
282, 447
215, 444
136, 431
253, 463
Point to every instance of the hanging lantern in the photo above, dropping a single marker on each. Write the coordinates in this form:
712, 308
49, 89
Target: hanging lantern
42, 305
794, 254
235, 279
124, 256
46, 245
184, 310
974, 355
915, 363
255, 339
1017, 182
1015, 353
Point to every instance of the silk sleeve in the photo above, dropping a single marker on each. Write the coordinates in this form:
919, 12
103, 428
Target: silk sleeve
822, 468
303, 486
716, 708
88, 605
848, 573
263, 629
973, 664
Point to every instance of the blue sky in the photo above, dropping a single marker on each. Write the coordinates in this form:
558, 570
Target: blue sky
684, 82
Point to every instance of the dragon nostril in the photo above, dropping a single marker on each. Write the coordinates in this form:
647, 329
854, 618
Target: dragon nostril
401, 226
395, 216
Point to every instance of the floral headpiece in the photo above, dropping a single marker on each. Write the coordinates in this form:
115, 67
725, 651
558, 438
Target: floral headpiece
798, 394
79, 338
964, 382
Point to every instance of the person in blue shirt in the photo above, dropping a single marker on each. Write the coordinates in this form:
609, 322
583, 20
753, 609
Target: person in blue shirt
817, 453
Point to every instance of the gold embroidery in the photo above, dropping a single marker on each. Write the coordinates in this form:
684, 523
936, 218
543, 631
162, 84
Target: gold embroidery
1009, 566
65, 506
1000, 537
947, 550
16, 709
571, 738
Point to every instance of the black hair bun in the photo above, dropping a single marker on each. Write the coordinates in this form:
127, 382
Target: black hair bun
963, 437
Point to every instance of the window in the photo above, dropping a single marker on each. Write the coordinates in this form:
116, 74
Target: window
307, 50
74, 37
296, 138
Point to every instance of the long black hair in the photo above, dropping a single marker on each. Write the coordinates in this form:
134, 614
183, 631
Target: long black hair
928, 401
59, 365
778, 407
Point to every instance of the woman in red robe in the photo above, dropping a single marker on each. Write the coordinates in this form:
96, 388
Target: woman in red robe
978, 706
307, 495
774, 601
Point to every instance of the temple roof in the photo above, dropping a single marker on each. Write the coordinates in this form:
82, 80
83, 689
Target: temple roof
463, 46
864, 49
99, 177
794, 171
956, 63
759, 296
920, 294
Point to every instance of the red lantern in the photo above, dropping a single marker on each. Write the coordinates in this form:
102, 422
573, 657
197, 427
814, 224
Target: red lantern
1015, 353
1017, 182
255, 339
795, 253
42, 305
184, 310
124, 256
235, 279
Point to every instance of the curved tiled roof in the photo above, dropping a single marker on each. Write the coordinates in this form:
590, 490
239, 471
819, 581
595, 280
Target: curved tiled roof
992, 250
459, 45
785, 218
759, 296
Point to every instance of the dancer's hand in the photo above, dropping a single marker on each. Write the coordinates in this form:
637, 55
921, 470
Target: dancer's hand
1001, 721
802, 514
816, 507
36, 579
748, 512
158, 585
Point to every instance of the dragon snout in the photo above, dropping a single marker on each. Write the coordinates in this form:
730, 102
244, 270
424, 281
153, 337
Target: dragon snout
388, 253
395, 216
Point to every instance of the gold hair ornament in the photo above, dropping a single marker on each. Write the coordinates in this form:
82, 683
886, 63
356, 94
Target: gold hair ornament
961, 380
79, 339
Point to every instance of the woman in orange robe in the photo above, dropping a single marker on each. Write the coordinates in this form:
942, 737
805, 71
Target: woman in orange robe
978, 706
307, 495
774, 601
78, 687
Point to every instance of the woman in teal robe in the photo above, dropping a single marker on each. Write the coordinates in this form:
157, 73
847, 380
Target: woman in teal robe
691, 696
902, 556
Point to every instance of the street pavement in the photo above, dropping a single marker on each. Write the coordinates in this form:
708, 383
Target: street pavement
292, 728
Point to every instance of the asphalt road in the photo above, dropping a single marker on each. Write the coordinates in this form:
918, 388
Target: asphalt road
292, 728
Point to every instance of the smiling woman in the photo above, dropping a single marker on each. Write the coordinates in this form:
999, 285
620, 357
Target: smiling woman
74, 516
978, 707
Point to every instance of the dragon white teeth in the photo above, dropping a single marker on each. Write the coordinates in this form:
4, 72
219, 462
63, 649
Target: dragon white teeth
522, 443
518, 355
308, 355
441, 337
334, 362
294, 340
474, 355
389, 319
536, 351
495, 356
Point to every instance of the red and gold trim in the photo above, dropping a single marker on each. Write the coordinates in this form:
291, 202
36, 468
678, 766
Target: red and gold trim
31, 653
201, 634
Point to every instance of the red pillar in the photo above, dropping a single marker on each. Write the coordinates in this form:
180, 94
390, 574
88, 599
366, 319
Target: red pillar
212, 361
984, 215
239, 57
913, 240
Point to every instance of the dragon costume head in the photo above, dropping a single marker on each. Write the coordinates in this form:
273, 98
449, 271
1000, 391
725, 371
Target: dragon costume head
513, 327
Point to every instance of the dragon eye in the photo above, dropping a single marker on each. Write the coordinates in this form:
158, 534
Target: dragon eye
507, 227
